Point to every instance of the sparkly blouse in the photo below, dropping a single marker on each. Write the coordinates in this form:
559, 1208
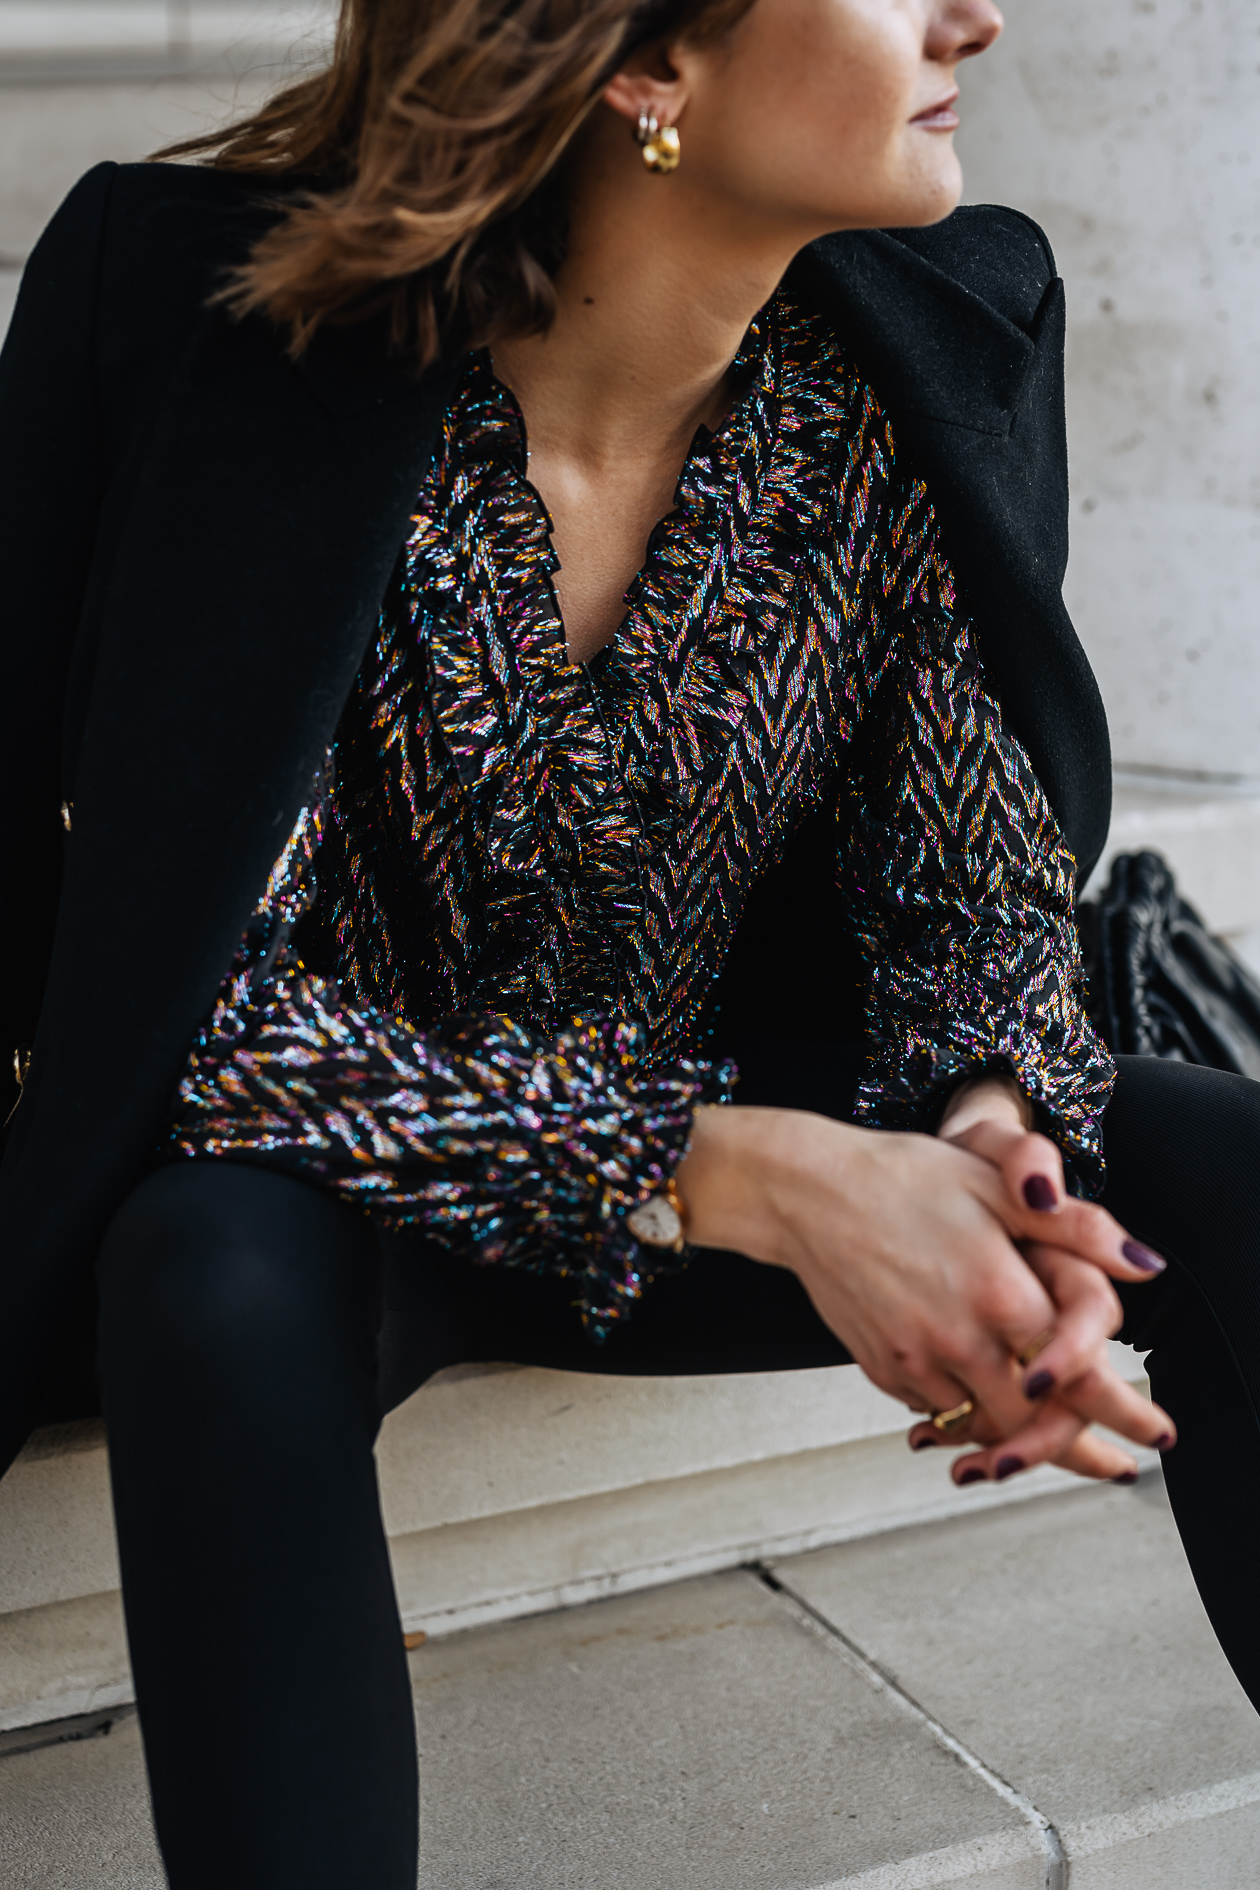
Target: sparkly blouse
473, 996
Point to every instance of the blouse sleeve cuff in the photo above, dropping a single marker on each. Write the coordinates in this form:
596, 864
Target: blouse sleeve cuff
609, 1136
507, 1142
1046, 1043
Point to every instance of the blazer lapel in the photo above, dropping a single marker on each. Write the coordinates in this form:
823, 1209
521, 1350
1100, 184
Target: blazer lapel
929, 346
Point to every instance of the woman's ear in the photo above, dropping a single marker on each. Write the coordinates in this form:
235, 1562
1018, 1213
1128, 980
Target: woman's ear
650, 83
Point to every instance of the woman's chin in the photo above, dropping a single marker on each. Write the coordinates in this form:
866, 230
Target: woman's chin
924, 197
926, 185
943, 206
934, 196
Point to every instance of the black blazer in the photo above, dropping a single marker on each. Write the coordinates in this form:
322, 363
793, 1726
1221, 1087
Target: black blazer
195, 535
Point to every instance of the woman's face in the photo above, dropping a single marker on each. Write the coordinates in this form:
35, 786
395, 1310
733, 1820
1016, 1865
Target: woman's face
818, 115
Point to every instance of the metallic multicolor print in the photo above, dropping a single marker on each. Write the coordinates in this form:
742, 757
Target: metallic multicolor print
532, 1149
508, 836
962, 895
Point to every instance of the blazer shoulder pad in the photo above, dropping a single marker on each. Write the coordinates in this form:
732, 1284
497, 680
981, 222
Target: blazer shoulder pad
186, 222
62, 268
173, 234
1001, 255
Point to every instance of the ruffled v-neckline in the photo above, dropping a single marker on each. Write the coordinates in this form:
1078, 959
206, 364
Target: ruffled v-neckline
558, 813
747, 427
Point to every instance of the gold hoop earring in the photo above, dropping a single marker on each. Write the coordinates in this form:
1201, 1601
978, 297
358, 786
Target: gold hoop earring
660, 144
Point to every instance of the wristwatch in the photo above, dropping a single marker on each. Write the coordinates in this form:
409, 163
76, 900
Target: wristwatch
661, 1220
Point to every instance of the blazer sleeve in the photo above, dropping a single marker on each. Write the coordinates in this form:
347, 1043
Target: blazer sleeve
52, 478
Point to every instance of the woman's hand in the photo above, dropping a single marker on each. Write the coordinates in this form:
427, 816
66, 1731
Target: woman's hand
1057, 1429
906, 1246
990, 1117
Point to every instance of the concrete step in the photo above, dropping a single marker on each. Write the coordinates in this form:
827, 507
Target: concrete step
1026, 1698
509, 1491
1209, 837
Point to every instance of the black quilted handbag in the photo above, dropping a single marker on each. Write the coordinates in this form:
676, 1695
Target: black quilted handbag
1159, 984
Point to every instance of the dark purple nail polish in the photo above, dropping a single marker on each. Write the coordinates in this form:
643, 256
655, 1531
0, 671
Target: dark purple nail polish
971, 1476
1040, 1195
1164, 1441
1037, 1384
1007, 1467
1139, 1256
923, 1443
1127, 1476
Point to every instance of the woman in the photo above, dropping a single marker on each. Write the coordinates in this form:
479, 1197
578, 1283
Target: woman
513, 616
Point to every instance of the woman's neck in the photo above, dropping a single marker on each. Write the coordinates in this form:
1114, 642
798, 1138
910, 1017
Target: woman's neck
652, 302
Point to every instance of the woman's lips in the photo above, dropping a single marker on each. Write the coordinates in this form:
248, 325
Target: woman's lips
939, 117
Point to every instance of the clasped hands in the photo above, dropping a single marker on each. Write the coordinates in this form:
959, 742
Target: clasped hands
938, 1261
1073, 1249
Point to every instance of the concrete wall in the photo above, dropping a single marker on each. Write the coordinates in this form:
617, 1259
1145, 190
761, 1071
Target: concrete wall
1130, 129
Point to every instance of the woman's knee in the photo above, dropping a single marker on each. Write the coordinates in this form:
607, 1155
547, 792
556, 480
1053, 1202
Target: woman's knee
1164, 1106
210, 1265
1183, 1174
1184, 1138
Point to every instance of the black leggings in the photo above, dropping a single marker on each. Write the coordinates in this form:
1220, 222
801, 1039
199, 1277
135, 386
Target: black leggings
253, 1330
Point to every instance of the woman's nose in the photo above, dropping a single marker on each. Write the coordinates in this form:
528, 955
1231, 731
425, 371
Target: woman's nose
963, 28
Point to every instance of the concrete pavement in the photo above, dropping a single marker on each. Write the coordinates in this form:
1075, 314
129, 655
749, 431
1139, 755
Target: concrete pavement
1025, 1698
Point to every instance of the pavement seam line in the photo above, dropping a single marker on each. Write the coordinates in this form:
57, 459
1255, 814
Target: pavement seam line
1055, 1860
71, 1730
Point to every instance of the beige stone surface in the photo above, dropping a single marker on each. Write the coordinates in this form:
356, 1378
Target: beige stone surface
715, 1734
1130, 130
509, 1491
65, 1658
1211, 1835
76, 1817
481, 1440
478, 1440
1211, 842
698, 1735
1067, 1644
57, 1520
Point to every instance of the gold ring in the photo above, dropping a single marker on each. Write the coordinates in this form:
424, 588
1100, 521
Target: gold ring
948, 1423
1038, 1346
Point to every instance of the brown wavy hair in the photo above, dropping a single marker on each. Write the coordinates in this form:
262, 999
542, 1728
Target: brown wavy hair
424, 162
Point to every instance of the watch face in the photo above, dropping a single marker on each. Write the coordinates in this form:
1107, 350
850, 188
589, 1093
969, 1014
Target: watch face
656, 1223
